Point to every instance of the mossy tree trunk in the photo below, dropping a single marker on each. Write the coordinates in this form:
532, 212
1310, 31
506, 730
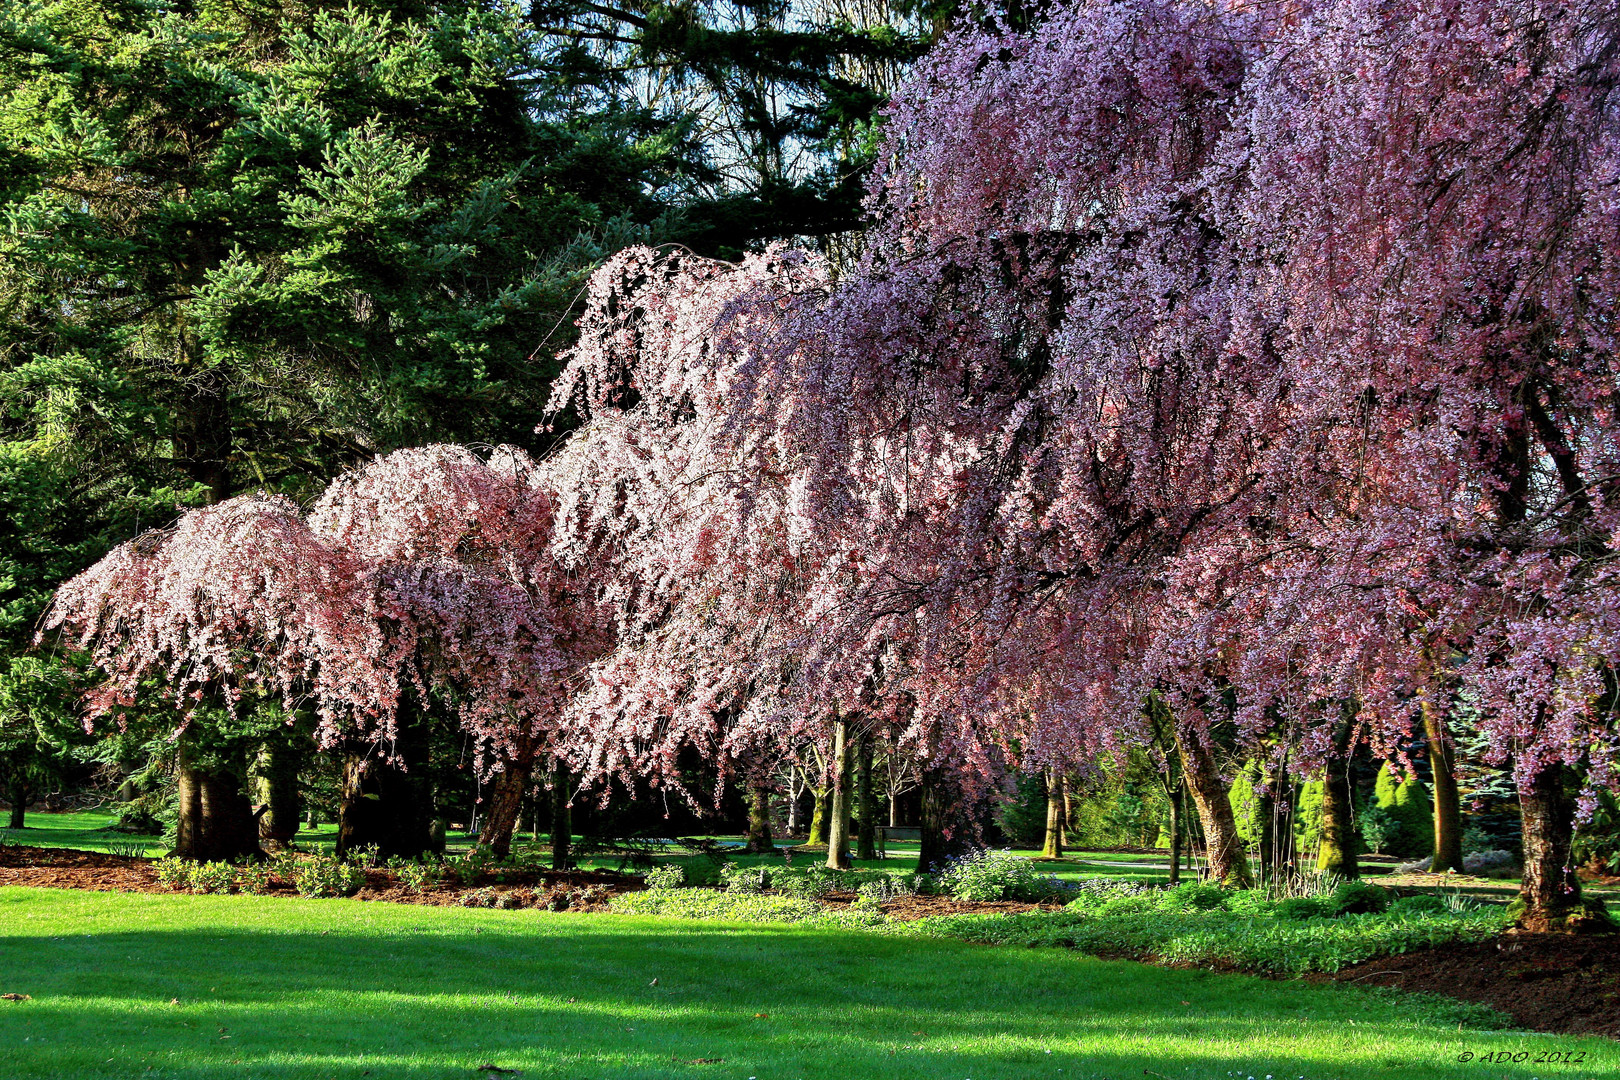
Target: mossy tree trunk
759, 819
18, 795
1175, 834
820, 826
1337, 855
1053, 847
931, 847
504, 803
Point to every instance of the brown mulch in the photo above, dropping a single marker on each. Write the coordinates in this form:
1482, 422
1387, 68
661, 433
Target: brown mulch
577, 890
1562, 983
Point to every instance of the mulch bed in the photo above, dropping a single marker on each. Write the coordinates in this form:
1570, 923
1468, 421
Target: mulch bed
1562, 983
577, 890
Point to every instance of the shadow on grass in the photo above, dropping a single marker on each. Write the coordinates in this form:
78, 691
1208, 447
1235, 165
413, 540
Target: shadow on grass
247, 990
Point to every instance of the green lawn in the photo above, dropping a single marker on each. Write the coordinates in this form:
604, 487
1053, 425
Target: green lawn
197, 987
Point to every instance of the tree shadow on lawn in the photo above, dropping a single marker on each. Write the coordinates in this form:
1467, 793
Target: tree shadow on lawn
575, 997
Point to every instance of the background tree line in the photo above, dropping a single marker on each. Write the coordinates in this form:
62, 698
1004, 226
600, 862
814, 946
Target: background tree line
249, 244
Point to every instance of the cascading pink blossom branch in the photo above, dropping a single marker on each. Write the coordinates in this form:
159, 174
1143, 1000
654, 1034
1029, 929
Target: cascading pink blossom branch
427, 570
1219, 351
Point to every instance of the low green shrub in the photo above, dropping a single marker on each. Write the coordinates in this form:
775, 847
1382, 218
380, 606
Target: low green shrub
1359, 898
1217, 938
887, 887
322, 877
1195, 896
666, 877
1092, 893
1303, 907
1000, 875
713, 904
744, 879
173, 872
1130, 904
1422, 904
418, 876
254, 878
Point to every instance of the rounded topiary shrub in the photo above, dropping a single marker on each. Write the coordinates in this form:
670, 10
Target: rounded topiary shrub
1194, 896
1409, 804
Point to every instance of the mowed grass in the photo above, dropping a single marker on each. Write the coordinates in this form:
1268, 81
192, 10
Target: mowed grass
126, 985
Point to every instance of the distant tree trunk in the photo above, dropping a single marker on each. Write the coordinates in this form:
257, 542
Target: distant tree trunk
18, 795
1549, 890
759, 819
866, 839
277, 790
1053, 848
1447, 802
894, 809
215, 818
1175, 835
562, 819
839, 811
1283, 802
793, 794
1265, 819
1228, 863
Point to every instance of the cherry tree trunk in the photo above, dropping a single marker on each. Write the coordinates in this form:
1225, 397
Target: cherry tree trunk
1228, 863
503, 804
1549, 890
562, 818
384, 806
759, 819
1447, 802
839, 809
931, 848
1053, 848
214, 820
866, 837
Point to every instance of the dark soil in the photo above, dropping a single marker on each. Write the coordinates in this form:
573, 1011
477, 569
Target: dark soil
573, 890
1561, 983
